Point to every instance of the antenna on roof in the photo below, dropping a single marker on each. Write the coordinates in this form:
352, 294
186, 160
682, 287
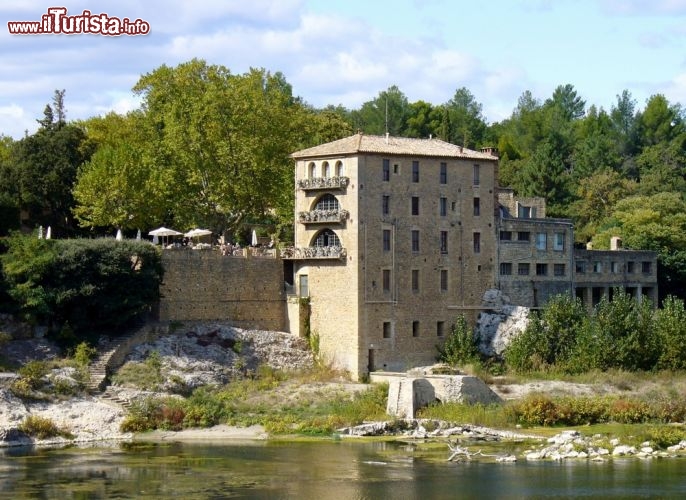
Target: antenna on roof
386, 119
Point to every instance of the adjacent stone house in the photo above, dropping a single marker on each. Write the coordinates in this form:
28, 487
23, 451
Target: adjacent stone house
394, 237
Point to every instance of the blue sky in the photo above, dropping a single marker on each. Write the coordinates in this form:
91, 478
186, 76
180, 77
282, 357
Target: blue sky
347, 51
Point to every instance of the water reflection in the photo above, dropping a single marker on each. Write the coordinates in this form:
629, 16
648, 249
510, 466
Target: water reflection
321, 470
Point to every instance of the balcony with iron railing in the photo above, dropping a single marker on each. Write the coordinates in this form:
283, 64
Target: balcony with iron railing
318, 216
314, 183
306, 253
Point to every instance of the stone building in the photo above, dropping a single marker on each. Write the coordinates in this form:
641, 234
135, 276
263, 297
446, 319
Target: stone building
394, 237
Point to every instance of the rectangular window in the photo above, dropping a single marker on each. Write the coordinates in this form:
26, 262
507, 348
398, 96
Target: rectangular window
476, 175
440, 328
477, 242
386, 175
415, 205
415, 171
396, 168
387, 329
523, 269
444, 241
477, 206
523, 236
304, 286
523, 212
646, 267
452, 206
415, 280
444, 173
386, 280
614, 267
541, 241
597, 267
505, 235
559, 243
559, 269
385, 204
541, 269
505, 268
386, 240
630, 267
444, 280
443, 206
415, 240
580, 266
415, 328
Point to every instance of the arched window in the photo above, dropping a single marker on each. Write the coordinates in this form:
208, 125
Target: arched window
327, 202
326, 238
340, 171
311, 170
326, 169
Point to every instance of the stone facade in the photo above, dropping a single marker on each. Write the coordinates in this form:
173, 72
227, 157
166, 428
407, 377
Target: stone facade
599, 272
205, 285
418, 239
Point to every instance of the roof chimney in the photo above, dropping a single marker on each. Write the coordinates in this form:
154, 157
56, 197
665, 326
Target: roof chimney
615, 243
386, 137
490, 151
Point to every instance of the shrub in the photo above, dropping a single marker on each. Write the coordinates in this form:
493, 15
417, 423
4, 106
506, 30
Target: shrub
460, 347
90, 285
33, 372
41, 428
670, 327
83, 354
663, 436
628, 411
536, 409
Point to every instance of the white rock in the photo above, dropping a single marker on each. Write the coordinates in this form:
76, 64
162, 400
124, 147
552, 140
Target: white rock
623, 450
614, 442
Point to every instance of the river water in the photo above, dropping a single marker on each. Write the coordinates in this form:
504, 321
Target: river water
320, 470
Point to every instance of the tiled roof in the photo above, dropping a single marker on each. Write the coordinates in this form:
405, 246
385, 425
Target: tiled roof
376, 144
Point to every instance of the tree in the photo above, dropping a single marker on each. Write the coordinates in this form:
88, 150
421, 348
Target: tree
464, 120
597, 196
659, 121
387, 113
423, 120
623, 116
45, 166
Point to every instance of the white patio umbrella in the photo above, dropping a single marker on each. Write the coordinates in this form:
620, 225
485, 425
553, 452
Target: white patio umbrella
164, 232
119, 236
40, 232
254, 238
138, 235
48, 233
197, 233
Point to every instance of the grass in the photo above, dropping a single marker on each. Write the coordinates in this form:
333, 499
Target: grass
279, 402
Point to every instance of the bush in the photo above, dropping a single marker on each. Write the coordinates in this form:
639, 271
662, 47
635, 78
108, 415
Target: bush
670, 327
92, 285
460, 347
83, 354
41, 428
33, 372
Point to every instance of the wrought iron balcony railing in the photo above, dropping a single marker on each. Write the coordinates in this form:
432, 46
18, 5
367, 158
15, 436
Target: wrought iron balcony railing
323, 183
335, 216
301, 253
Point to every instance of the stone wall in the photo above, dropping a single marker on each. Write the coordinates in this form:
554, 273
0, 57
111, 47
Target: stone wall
205, 285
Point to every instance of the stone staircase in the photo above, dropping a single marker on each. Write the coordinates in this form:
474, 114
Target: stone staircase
99, 369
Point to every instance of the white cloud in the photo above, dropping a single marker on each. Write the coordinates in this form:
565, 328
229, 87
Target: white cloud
644, 7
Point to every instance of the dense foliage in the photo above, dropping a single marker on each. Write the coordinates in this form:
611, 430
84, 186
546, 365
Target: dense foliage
80, 287
620, 333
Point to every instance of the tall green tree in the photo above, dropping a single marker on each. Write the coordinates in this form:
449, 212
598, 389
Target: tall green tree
46, 165
465, 121
388, 112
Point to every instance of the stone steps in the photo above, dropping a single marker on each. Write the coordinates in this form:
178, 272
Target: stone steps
98, 368
110, 397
